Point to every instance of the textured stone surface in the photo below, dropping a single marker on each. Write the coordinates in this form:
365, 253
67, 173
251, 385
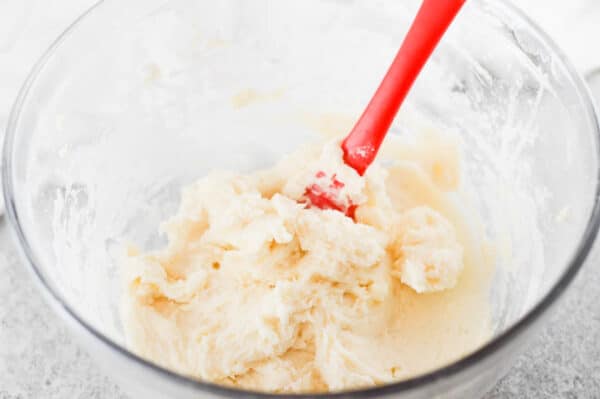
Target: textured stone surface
38, 359
564, 361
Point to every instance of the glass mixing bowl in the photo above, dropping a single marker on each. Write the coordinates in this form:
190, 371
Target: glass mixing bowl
138, 98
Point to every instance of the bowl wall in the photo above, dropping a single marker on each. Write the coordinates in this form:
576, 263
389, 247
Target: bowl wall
138, 99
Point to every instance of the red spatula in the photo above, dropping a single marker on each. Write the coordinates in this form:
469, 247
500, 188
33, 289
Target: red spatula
361, 145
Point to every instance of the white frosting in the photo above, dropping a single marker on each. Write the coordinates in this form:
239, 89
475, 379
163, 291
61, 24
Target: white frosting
260, 291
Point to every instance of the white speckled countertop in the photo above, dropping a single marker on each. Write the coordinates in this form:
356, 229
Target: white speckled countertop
38, 359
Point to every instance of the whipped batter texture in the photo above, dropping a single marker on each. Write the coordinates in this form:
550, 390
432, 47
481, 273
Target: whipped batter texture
255, 289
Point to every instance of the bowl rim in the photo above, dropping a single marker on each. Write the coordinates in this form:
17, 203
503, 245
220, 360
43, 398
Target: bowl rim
575, 263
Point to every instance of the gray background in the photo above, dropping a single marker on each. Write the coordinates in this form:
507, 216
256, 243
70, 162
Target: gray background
38, 359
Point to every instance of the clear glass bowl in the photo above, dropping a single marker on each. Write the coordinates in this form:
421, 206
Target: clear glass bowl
138, 98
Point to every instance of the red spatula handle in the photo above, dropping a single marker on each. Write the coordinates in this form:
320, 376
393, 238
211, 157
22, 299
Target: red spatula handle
432, 20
